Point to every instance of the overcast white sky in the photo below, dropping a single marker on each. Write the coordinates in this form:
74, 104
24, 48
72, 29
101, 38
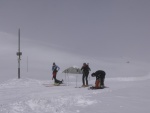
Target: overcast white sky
87, 27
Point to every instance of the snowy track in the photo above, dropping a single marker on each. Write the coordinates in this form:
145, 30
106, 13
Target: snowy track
18, 97
29, 95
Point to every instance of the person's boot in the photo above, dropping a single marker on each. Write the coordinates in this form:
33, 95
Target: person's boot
62, 81
83, 85
86, 85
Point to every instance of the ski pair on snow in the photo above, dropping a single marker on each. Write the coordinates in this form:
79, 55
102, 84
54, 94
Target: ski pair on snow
55, 84
93, 88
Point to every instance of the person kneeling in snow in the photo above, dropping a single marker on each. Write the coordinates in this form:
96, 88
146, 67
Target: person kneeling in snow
100, 76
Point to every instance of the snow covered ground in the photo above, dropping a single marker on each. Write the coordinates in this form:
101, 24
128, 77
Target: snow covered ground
128, 81
110, 35
128, 92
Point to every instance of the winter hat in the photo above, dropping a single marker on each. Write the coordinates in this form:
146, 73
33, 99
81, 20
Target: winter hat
93, 74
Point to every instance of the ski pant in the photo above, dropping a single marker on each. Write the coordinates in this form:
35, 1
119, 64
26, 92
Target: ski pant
99, 83
102, 81
55, 80
85, 78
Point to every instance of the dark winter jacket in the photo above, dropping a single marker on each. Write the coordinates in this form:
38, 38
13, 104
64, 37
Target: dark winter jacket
85, 69
100, 74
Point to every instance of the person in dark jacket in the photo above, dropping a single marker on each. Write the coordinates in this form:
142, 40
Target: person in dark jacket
100, 77
85, 68
55, 69
89, 69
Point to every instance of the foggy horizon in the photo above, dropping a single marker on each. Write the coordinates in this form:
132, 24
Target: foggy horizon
72, 29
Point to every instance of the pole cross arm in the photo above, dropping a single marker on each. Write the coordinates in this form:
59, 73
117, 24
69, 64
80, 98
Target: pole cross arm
19, 53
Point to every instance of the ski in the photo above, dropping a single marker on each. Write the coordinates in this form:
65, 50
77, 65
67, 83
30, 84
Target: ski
82, 87
93, 88
52, 85
48, 85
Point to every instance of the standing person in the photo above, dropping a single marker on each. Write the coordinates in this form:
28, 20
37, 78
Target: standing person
55, 69
85, 70
89, 69
100, 76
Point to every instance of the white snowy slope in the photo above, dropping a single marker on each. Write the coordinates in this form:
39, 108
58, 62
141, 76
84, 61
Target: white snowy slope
126, 94
128, 81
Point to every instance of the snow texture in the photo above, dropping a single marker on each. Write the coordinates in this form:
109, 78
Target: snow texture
124, 95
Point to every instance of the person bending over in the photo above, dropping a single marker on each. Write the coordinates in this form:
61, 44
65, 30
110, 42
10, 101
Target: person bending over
100, 77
